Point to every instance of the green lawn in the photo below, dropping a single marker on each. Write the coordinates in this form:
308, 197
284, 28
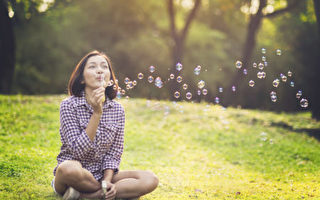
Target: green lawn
197, 151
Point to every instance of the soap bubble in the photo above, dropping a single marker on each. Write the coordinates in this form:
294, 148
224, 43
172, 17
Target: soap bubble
299, 94
150, 79
304, 103
289, 73
189, 95
197, 70
251, 83
220, 89
171, 76
114, 87
152, 68
177, 94
123, 92
199, 92
265, 63
185, 86
134, 82
217, 100
126, 80
179, 79
263, 74
140, 76
110, 83
292, 84
201, 84
128, 87
259, 75
273, 96
158, 82
245, 72
254, 65
261, 66
204, 91
284, 78
263, 58
238, 64
233, 88
179, 66
275, 83
278, 52
263, 50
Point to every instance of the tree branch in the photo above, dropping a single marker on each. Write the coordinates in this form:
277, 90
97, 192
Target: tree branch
286, 9
190, 18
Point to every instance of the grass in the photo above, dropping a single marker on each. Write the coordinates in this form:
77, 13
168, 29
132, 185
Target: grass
197, 151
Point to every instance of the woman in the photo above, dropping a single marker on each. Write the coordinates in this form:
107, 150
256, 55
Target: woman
92, 132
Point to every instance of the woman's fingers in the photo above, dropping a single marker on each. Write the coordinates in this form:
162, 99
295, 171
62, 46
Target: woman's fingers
111, 193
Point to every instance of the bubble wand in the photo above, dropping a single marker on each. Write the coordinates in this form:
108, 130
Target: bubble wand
103, 84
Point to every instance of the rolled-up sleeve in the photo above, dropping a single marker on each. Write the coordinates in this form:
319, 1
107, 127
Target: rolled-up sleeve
72, 134
112, 158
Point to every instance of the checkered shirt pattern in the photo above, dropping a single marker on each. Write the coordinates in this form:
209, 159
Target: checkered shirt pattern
105, 151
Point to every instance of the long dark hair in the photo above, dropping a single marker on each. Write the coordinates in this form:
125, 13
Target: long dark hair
75, 87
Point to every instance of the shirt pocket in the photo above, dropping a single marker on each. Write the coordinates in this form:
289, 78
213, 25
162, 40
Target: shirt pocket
108, 132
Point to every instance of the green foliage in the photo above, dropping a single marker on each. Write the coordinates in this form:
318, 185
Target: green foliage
197, 151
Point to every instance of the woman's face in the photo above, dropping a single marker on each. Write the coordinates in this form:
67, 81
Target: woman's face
95, 71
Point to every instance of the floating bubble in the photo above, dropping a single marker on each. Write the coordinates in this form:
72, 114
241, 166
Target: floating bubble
130, 84
128, 87
201, 84
275, 83
158, 82
179, 79
185, 86
126, 80
152, 68
263, 74
263, 58
284, 78
278, 52
199, 92
220, 89
299, 94
304, 103
110, 83
177, 94
114, 87
150, 79
251, 83
217, 100
233, 88
116, 81
123, 92
204, 91
245, 72
179, 66
273, 96
238, 64
189, 95
254, 65
261, 66
196, 70
259, 75
292, 84
127, 97
265, 63
171, 76
134, 82
140, 76
263, 50
289, 73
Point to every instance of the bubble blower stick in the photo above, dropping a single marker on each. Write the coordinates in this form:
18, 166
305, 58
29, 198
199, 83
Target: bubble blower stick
103, 84
104, 187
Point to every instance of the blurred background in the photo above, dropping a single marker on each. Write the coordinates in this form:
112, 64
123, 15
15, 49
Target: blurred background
41, 41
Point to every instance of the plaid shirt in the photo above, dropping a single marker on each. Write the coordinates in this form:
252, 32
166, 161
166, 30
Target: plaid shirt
105, 151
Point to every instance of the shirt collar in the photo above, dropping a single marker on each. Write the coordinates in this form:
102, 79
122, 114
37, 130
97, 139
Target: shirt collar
82, 101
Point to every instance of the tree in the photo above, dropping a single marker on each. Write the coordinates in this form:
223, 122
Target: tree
178, 38
7, 49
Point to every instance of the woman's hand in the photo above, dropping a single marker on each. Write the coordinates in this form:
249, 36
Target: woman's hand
111, 191
96, 99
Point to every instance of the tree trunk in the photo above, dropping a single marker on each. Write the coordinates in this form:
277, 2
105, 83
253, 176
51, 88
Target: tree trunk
7, 49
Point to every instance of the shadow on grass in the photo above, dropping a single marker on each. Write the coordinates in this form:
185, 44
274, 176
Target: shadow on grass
312, 132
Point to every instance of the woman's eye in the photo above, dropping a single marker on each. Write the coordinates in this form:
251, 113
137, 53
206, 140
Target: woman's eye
92, 66
105, 66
